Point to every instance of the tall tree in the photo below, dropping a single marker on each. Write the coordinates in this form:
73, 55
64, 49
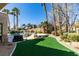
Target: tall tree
23, 26
53, 9
29, 25
59, 22
66, 18
7, 12
13, 13
43, 26
16, 12
45, 10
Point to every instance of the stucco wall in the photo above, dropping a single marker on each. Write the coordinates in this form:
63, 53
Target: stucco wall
3, 20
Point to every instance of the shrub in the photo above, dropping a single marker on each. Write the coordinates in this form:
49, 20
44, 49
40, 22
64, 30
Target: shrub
38, 31
72, 31
12, 32
70, 37
77, 38
65, 36
61, 32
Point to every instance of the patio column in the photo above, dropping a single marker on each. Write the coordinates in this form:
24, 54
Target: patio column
3, 20
5, 32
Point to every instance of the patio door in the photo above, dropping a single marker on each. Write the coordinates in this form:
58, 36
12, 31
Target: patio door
1, 28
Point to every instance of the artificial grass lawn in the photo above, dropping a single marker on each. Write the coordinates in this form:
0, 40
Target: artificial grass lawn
42, 47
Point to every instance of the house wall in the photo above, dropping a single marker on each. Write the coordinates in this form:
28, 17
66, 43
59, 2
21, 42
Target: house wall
3, 21
77, 30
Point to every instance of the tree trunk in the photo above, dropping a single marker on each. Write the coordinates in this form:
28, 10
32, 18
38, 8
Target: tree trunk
14, 22
17, 22
54, 19
66, 18
8, 23
59, 23
46, 16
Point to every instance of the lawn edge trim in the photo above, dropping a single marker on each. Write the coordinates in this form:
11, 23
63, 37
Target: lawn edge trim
13, 49
62, 43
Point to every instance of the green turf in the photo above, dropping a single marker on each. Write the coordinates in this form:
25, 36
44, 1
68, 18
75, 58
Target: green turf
42, 47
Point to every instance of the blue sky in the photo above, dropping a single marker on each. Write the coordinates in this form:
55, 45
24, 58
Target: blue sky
34, 13
29, 13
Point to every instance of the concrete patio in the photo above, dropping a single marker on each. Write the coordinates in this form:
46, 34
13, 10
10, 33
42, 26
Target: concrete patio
6, 50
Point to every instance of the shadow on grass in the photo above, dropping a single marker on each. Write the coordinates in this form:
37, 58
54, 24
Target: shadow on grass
28, 48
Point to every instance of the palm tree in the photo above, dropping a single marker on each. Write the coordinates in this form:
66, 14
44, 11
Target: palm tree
7, 12
54, 19
45, 10
23, 26
12, 13
16, 12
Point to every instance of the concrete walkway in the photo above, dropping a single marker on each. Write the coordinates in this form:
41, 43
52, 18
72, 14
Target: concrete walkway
6, 50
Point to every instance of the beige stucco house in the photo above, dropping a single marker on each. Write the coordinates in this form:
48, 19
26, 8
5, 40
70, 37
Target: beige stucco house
3, 24
76, 27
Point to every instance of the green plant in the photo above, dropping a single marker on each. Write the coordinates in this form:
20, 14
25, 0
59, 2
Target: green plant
72, 31
12, 32
64, 37
71, 37
38, 31
77, 38
61, 33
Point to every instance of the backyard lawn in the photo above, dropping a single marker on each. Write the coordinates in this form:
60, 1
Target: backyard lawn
42, 47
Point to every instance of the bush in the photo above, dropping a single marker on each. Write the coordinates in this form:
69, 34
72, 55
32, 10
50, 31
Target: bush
77, 38
61, 33
70, 37
74, 37
64, 37
21, 31
72, 31
12, 32
37, 30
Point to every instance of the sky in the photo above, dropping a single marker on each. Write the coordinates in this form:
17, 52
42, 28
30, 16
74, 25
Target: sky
34, 13
29, 13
